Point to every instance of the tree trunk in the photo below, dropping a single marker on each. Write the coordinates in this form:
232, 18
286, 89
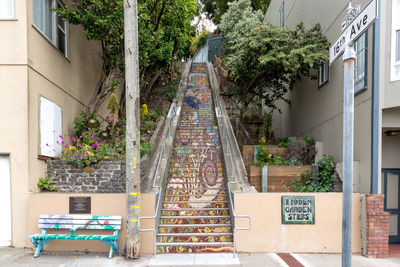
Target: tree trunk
103, 89
151, 84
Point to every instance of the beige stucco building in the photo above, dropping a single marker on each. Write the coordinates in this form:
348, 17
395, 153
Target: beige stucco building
317, 106
48, 72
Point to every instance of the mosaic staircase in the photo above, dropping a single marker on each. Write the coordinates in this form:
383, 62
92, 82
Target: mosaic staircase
195, 216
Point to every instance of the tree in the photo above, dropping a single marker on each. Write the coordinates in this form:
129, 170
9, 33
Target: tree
164, 34
214, 9
238, 21
267, 61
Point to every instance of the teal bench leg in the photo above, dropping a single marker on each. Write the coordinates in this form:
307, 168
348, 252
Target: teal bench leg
39, 249
115, 244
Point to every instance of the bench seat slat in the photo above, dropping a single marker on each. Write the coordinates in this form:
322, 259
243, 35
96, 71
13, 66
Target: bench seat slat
80, 217
79, 227
75, 237
83, 222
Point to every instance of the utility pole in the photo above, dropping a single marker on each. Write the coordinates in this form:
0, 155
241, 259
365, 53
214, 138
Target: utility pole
132, 247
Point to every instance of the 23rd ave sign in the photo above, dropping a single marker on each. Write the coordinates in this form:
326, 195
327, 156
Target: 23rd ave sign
360, 24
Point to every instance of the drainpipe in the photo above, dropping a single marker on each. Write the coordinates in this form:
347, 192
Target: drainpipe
375, 103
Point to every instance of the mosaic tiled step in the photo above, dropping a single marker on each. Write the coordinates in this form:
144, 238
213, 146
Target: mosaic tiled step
195, 248
195, 229
192, 238
196, 195
185, 204
194, 184
220, 190
205, 197
184, 220
194, 212
185, 161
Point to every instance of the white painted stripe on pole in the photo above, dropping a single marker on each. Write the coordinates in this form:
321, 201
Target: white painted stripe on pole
359, 25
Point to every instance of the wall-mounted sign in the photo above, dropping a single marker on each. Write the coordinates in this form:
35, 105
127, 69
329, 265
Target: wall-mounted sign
79, 205
298, 210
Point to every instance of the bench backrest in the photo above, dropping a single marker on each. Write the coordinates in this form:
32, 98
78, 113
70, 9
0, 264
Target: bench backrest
80, 222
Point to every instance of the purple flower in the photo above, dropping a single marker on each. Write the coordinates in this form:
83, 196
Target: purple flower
65, 146
62, 142
58, 142
95, 144
79, 144
117, 136
102, 142
86, 153
161, 136
125, 126
47, 144
72, 138
78, 156
60, 136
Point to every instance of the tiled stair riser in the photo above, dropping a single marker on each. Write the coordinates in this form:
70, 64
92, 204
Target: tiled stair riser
195, 212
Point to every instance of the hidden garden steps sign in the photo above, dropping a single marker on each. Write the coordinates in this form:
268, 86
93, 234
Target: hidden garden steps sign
298, 209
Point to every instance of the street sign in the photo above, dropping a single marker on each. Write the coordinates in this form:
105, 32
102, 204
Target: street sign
360, 24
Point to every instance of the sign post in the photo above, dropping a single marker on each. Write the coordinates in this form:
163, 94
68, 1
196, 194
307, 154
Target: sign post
354, 24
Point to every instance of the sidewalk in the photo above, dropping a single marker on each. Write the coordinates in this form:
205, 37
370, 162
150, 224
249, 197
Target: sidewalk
24, 257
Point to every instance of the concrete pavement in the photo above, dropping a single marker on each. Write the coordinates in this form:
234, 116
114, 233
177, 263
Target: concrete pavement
15, 257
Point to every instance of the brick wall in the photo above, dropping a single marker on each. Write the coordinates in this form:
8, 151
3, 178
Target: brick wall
377, 231
104, 177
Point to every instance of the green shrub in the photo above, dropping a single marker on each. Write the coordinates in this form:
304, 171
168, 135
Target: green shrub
321, 182
285, 142
45, 184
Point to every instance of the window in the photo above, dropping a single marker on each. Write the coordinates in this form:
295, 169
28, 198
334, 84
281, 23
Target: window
395, 51
50, 128
49, 24
282, 14
6, 9
323, 74
360, 68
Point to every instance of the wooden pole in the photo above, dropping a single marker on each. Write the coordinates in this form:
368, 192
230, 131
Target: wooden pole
132, 129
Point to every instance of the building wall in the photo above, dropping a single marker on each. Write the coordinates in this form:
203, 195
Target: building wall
319, 111
268, 234
14, 110
30, 67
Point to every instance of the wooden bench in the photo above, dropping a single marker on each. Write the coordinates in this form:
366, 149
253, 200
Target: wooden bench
74, 223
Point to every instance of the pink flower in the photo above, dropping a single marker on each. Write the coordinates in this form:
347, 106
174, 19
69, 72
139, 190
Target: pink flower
125, 126
47, 144
72, 138
62, 142
95, 144
79, 144
117, 136
78, 156
60, 136
65, 146
86, 153
102, 142
58, 142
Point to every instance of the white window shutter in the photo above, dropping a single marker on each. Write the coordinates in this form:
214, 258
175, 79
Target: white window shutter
50, 128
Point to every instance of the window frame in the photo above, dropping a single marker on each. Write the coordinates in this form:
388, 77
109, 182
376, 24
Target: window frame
281, 16
55, 28
365, 78
12, 17
324, 71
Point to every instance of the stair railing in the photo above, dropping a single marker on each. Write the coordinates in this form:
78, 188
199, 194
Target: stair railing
174, 110
219, 113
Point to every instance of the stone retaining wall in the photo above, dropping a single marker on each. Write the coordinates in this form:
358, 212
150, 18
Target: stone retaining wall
102, 177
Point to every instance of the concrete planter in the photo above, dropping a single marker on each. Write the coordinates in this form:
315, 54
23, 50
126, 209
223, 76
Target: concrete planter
279, 177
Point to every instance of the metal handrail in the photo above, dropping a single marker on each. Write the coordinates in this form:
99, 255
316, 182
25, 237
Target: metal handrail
174, 110
225, 134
